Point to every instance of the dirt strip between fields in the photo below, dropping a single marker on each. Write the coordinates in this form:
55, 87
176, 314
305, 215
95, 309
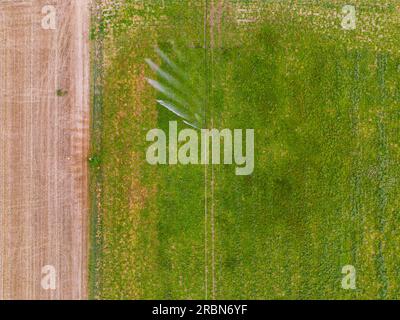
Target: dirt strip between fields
44, 129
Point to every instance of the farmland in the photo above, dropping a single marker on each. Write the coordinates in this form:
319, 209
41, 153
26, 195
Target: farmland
324, 104
44, 138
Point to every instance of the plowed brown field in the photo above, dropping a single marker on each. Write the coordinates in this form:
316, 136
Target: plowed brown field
44, 123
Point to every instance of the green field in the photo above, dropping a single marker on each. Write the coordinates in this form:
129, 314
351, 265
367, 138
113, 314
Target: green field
324, 104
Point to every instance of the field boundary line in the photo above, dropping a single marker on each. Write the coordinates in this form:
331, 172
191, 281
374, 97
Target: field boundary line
96, 174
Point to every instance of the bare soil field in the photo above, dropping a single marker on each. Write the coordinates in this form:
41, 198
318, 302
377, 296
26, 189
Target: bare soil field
44, 128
